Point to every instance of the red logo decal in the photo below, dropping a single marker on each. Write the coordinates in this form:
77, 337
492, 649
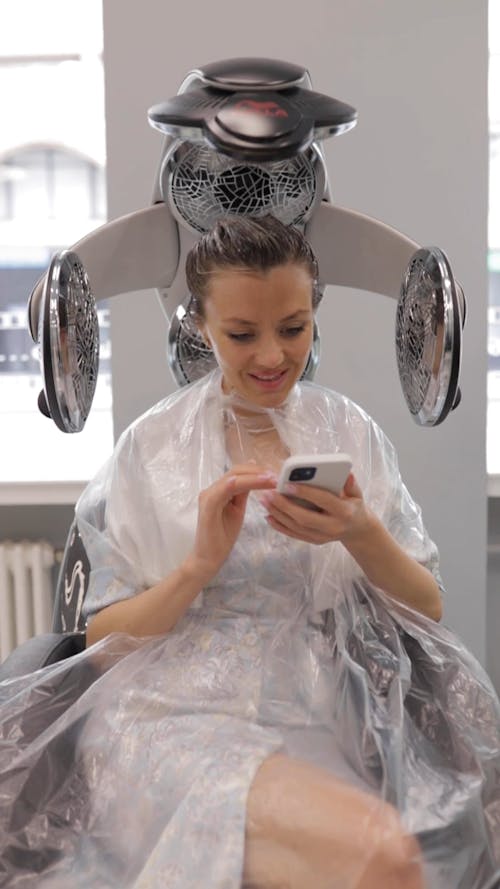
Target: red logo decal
269, 109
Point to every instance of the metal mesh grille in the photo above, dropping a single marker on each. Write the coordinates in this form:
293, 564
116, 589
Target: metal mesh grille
206, 185
417, 319
83, 338
194, 358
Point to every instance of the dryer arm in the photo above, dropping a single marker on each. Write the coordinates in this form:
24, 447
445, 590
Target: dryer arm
134, 252
359, 251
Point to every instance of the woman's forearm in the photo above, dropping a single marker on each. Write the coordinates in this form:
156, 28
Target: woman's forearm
221, 510
388, 567
154, 611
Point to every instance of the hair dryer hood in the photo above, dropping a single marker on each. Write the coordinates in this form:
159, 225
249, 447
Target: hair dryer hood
243, 137
251, 109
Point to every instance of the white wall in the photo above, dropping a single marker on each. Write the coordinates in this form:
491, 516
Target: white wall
417, 74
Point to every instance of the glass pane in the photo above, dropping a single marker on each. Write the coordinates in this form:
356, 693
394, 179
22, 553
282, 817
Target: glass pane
30, 191
72, 187
52, 27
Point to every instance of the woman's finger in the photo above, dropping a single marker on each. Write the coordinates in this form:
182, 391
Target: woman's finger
251, 469
304, 535
351, 487
294, 515
323, 500
231, 485
290, 519
246, 483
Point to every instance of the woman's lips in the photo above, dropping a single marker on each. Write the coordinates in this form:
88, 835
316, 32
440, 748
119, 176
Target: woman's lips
269, 381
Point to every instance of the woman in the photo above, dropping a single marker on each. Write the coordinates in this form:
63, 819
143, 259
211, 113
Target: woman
267, 726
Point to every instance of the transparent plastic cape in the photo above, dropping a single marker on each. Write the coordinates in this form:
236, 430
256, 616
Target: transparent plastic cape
132, 764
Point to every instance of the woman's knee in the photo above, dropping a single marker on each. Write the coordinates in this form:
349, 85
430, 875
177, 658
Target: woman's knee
393, 858
303, 821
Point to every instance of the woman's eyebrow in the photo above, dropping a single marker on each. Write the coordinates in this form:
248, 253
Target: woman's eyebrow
238, 321
296, 314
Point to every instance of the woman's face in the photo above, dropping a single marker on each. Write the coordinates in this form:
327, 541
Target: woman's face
260, 327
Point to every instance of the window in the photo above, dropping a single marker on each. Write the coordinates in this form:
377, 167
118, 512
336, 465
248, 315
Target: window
52, 192
47, 183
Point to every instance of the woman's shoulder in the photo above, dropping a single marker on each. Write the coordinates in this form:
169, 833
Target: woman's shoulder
157, 438
318, 395
172, 412
353, 427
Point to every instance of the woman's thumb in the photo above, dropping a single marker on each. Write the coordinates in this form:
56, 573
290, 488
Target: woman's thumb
351, 487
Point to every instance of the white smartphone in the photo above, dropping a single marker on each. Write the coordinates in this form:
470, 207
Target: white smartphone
328, 471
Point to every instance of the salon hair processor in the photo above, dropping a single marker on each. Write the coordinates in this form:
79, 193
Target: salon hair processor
243, 136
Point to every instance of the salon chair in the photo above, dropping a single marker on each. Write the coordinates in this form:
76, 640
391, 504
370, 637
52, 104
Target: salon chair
67, 637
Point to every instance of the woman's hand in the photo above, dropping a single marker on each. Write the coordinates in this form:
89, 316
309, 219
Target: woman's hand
221, 510
337, 516
345, 517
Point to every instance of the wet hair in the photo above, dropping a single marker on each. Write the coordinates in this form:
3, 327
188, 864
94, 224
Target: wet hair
246, 243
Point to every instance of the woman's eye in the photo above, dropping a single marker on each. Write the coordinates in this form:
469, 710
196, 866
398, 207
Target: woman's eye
240, 337
286, 332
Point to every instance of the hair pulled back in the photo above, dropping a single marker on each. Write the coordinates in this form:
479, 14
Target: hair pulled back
255, 243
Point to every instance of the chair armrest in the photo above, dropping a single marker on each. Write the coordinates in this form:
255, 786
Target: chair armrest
39, 652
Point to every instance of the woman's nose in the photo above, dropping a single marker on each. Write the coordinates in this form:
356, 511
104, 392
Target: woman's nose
270, 354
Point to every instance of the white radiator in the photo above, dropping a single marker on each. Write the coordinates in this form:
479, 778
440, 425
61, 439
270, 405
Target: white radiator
26, 592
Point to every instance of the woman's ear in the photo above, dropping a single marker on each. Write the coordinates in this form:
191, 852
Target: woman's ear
203, 332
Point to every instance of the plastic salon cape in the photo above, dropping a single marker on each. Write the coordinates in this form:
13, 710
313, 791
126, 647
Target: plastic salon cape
130, 764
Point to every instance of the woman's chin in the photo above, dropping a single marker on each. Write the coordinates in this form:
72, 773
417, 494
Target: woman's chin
259, 392
271, 396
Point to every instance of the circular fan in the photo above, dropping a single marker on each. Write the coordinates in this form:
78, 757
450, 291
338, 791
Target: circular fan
68, 338
190, 358
204, 185
428, 336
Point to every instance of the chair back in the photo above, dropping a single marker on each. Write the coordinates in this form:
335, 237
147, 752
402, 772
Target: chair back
72, 585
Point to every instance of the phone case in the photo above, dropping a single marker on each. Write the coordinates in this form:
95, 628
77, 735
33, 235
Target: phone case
328, 471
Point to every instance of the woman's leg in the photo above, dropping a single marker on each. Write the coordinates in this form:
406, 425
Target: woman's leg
306, 828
